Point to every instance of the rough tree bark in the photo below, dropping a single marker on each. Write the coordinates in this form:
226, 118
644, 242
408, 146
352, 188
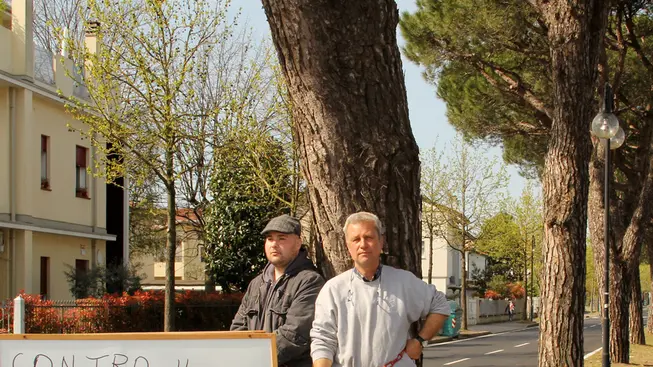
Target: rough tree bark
619, 289
649, 250
636, 315
575, 34
620, 297
345, 80
631, 214
636, 233
626, 224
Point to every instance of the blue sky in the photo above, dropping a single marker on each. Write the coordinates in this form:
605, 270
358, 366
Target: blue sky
427, 112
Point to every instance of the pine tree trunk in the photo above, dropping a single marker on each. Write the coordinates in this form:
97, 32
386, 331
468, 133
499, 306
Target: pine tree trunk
649, 248
636, 316
618, 310
624, 288
618, 314
171, 247
628, 224
575, 34
345, 80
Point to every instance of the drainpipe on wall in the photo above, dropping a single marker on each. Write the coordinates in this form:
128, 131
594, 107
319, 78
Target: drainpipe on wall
12, 153
94, 263
94, 200
94, 188
12, 190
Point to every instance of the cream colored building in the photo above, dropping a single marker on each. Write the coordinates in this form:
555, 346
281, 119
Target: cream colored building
52, 213
189, 265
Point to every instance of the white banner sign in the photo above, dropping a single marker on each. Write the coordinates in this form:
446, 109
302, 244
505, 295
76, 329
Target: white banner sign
183, 349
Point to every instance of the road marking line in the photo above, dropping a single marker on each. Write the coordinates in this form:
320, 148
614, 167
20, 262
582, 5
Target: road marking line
460, 360
521, 345
485, 336
496, 351
476, 337
593, 325
591, 353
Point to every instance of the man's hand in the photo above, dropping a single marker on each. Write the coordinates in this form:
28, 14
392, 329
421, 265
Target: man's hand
323, 362
414, 348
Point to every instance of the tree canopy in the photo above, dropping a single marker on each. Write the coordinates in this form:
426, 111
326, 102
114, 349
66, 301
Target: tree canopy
497, 75
250, 185
489, 68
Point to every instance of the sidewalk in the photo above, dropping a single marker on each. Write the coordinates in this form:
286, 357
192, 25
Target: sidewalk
485, 329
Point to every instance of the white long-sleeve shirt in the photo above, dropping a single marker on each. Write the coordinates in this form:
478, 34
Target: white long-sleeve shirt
361, 324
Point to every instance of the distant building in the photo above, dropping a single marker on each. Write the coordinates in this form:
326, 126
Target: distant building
447, 262
189, 265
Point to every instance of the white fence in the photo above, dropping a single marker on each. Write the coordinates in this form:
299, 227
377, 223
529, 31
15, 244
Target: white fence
483, 311
12, 316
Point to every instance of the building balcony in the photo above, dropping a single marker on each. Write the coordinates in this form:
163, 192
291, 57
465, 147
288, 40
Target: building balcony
6, 40
31, 62
44, 65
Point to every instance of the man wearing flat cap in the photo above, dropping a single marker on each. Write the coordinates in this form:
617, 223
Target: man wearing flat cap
282, 298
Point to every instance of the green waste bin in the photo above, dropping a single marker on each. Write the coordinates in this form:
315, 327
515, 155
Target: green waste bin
451, 327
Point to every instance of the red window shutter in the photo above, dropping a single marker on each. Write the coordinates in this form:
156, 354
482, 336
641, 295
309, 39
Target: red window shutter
44, 143
81, 157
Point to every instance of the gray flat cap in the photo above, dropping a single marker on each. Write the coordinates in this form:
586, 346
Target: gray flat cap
284, 224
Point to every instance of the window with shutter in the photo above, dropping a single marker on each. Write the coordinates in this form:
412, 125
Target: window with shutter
80, 172
81, 157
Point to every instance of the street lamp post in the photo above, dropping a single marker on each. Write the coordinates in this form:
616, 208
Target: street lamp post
605, 126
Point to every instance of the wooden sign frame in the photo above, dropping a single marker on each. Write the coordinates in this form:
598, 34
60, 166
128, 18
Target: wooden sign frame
175, 335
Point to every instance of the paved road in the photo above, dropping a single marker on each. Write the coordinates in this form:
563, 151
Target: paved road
516, 348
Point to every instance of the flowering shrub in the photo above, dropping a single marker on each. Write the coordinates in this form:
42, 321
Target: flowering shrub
516, 290
509, 290
490, 294
142, 312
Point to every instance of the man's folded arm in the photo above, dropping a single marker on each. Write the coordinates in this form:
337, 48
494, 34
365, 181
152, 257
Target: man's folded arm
293, 337
324, 334
239, 323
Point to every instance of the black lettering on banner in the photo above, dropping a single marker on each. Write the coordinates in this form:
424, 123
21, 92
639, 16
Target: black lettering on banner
179, 363
64, 362
116, 364
36, 360
97, 359
13, 361
147, 363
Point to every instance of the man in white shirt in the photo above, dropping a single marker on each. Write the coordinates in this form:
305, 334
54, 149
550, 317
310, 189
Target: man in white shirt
363, 316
